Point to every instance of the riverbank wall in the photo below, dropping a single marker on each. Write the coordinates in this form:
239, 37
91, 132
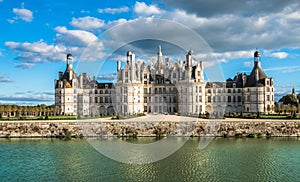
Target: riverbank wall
221, 128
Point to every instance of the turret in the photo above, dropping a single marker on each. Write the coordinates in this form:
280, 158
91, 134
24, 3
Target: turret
189, 58
256, 59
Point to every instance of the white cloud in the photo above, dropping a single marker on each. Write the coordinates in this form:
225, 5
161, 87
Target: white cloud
11, 21
5, 79
31, 53
87, 23
143, 8
280, 55
24, 65
107, 77
284, 69
248, 64
23, 14
114, 10
74, 37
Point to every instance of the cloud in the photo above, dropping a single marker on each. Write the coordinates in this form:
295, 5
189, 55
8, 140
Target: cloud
237, 27
279, 55
144, 9
24, 65
248, 64
284, 69
4, 79
74, 37
30, 53
87, 23
11, 21
107, 77
114, 10
29, 98
217, 8
23, 14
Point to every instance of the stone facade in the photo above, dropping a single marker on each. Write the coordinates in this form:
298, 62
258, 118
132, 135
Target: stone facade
80, 95
180, 87
164, 87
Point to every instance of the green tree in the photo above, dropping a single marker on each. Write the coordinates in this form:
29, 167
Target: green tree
291, 101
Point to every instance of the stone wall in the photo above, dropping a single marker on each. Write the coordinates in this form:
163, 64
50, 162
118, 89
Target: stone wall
200, 128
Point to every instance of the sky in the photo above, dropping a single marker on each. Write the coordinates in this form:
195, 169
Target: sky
37, 35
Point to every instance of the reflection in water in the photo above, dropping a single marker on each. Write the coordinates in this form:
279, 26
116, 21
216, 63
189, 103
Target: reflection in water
225, 159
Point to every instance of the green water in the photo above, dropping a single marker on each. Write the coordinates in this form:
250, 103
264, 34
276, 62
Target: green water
225, 159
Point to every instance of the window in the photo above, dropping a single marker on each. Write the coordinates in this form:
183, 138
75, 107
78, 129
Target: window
229, 98
174, 75
145, 76
145, 99
239, 99
209, 91
126, 74
209, 99
268, 97
145, 90
200, 99
229, 90
199, 73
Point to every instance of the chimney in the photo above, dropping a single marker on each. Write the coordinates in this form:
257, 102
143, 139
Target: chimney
60, 75
118, 66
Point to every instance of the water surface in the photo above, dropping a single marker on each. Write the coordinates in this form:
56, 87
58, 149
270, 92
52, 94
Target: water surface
225, 159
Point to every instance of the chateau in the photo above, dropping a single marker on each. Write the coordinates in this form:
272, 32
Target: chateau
164, 87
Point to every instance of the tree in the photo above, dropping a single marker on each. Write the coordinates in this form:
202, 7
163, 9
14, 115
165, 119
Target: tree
291, 101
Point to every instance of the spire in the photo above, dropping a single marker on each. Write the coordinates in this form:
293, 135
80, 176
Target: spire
159, 51
159, 57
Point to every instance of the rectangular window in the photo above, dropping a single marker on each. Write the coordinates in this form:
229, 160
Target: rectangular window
174, 75
145, 76
229, 98
209, 99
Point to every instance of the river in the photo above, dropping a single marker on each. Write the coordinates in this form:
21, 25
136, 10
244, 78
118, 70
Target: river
224, 159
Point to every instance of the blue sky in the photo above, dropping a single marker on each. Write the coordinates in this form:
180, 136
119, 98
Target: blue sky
36, 36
